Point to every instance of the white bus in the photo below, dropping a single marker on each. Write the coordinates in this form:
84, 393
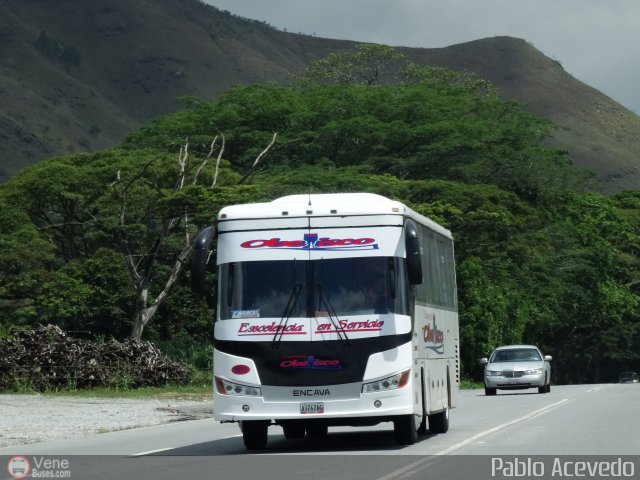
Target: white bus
332, 309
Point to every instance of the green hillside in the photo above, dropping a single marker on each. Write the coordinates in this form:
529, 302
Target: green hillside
79, 76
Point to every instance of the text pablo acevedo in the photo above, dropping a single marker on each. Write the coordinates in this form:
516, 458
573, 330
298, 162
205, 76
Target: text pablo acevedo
561, 468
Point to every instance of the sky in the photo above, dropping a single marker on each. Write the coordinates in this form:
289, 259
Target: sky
596, 41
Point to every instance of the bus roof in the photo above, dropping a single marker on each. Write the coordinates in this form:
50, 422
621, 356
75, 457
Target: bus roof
326, 204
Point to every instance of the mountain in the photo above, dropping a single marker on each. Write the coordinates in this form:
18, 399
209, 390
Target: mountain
600, 134
78, 76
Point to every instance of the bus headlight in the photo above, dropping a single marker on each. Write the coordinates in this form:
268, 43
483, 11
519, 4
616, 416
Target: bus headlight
225, 387
389, 383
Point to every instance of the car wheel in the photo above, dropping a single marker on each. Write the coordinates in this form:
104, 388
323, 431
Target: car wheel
254, 434
546, 388
489, 391
404, 429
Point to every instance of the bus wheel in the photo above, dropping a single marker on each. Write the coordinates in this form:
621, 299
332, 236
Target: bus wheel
293, 430
254, 434
317, 430
439, 422
404, 429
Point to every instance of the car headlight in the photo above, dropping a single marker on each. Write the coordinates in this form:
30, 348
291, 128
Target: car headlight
493, 373
389, 383
225, 387
534, 371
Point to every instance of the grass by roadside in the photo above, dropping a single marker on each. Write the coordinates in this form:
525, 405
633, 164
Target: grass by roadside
173, 392
470, 384
170, 392
200, 389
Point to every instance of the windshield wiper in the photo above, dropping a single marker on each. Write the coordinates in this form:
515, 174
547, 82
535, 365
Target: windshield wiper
288, 310
331, 313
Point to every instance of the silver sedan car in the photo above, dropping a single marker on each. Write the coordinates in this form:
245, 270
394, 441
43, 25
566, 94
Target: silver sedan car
516, 367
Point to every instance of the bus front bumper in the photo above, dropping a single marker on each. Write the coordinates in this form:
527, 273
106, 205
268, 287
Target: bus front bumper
306, 403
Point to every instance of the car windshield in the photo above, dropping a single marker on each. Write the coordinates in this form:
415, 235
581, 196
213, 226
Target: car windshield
515, 355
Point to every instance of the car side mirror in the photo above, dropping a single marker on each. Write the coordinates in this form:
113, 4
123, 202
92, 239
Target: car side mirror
484, 361
548, 358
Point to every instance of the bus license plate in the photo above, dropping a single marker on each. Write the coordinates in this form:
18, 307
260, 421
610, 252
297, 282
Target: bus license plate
317, 407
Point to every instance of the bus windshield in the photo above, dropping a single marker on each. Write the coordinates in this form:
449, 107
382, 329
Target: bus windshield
351, 286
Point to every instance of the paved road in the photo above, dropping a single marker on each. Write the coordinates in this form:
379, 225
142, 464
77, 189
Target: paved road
571, 420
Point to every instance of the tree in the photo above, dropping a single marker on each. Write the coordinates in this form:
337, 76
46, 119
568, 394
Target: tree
25, 257
373, 64
423, 130
143, 214
180, 202
143, 204
142, 258
365, 64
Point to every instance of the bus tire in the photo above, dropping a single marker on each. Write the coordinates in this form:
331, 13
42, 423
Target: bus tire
254, 434
293, 430
317, 430
439, 422
404, 429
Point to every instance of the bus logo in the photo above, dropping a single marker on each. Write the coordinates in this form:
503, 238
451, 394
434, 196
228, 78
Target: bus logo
433, 337
311, 241
310, 362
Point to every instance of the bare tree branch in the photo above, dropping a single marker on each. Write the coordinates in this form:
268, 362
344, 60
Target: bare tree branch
205, 161
215, 175
142, 279
117, 180
183, 155
258, 158
181, 260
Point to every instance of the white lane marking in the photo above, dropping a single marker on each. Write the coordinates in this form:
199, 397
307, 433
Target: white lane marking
477, 436
420, 464
142, 454
596, 389
150, 452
